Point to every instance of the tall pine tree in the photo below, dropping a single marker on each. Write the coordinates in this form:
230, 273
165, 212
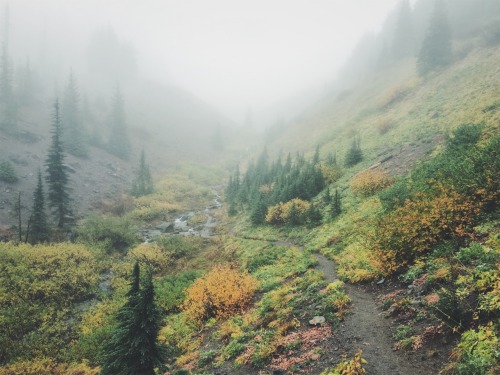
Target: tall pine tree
57, 176
403, 44
143, 183
436, 50
38, 225
133, 349
74, 136
8, 104
118, 143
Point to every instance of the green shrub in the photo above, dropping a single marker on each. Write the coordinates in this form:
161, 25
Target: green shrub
403, 332
476, 253
177, 246
7, 172
109, 233
170, 290
264, 257
479, 351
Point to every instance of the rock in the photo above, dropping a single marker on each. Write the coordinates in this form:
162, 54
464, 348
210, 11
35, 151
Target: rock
381, 281
315, 357
165, 226
317, 320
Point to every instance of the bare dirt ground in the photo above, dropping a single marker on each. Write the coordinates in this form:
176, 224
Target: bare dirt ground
367, 328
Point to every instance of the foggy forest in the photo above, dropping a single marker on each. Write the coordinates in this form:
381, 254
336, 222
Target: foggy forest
225, 187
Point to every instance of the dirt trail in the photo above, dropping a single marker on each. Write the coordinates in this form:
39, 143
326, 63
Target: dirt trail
366, 328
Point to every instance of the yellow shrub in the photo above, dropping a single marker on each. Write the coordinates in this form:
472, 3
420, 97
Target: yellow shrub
331, 173
282, 212
221, 293
47, 366
152, 255
370, 181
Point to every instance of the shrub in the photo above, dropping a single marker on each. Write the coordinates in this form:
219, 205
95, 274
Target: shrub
152, 255
110, 233
331, 173
392, 96
46, 366
170, 290
370, 181
353, 366
292, 212
222, 292
38, 286
384, 125
7, 172
479, 351
476, 253
420, 224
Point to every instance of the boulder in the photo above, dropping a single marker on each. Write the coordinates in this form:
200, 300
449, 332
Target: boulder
317, 320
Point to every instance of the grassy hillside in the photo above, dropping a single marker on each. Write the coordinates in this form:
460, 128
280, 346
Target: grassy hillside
387, 265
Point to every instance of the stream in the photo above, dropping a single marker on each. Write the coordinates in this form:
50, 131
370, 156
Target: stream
181, 225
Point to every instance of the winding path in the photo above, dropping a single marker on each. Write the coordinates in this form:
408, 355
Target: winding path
367, 329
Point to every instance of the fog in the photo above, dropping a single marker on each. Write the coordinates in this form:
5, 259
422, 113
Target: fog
236, 55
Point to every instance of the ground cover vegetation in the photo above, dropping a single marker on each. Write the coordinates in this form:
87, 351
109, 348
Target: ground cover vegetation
243, 300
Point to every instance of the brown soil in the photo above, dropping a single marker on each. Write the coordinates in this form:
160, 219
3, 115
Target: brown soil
367, 328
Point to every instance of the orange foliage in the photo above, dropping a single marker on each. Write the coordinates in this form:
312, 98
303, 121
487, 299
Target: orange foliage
420, 224
370, 181
222, 292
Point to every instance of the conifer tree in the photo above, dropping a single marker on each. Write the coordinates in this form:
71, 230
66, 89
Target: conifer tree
74, 138
39, 227
57, 176
404, 36
143, 183
354, 154
335, 206
436, 51
118, 143
133, 348
8, 105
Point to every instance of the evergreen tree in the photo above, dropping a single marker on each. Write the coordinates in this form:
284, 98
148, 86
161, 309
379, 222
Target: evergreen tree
133, 348
258, 210
39, 227
57, 176
436, 50
404, 37
118, 143
327, 196
335, 206
314, 215
143, 183
315, 159
354, 154
331, 159
7, 172
8, 105
26, 85
73, 137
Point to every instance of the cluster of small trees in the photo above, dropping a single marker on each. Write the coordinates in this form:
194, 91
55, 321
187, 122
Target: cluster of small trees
265, 185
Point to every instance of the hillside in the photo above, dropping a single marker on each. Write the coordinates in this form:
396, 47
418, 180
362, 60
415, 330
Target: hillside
361, 237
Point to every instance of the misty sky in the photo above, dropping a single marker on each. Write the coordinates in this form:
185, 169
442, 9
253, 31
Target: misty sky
234, 54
